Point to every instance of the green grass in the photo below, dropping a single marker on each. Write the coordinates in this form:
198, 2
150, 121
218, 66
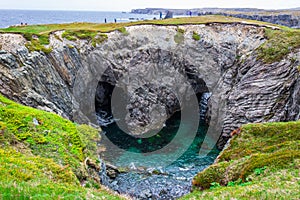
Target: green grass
263, 162
38, 35
94, 37
196, 36
279, 43
36, 45
42, 156
49, 190
108, 27
123, 30
282, 184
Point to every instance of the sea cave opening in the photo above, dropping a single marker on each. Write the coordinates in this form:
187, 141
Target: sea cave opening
151, 182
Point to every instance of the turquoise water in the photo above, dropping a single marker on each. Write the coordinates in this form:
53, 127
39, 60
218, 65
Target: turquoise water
149, 180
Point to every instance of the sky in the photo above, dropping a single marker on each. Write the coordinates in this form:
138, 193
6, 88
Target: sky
127, 5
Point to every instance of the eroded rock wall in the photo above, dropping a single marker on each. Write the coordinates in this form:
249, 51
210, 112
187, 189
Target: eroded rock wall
65, 80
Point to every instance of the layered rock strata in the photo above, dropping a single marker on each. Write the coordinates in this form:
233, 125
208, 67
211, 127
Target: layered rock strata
223, 62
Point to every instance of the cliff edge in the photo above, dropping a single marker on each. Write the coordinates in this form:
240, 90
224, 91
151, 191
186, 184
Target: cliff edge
245, 66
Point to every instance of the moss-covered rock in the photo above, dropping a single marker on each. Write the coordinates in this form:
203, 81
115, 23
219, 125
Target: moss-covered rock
179, 37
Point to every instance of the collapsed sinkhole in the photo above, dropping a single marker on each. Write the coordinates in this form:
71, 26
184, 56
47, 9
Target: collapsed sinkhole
122, 116
147, 182
108, 121
117, 136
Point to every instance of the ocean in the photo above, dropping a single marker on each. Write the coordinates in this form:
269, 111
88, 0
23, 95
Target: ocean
15, 17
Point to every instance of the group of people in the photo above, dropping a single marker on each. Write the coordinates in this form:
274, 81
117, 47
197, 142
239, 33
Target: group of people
105, 21
160, 16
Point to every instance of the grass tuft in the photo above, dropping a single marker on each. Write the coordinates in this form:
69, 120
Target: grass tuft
279, 42
196, 36
93, 36
99, 39
123, 30
35, 45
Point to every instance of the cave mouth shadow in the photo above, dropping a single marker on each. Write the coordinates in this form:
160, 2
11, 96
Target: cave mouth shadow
163, 137
173, 76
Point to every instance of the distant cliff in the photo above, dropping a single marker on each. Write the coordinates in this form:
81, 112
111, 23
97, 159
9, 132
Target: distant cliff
290, 18
281, 19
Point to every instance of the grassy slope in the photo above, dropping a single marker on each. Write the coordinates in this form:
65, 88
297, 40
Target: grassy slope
45, 161
42, 156
90, 30
263, 162
279, 43
104, 28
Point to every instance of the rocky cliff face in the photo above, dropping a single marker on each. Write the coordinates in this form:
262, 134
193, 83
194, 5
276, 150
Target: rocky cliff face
281, 19
288, 18
222, 62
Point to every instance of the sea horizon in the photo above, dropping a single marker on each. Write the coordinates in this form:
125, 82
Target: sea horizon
14, 17
67, 10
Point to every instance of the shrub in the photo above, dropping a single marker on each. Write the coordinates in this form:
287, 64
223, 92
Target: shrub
179, 37
80, 34
123, 30
99, 39
92, 36
196, 36
35, 45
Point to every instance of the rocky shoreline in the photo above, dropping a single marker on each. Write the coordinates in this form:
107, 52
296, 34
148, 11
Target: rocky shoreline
290, 18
